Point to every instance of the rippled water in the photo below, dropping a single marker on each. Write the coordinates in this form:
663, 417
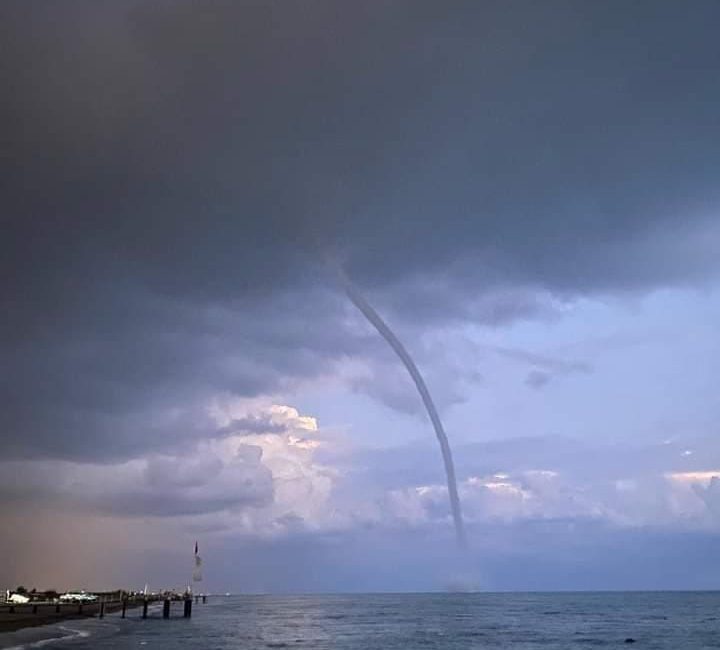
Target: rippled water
389, 621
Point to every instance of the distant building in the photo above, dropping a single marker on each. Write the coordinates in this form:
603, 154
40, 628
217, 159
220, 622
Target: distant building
17, 599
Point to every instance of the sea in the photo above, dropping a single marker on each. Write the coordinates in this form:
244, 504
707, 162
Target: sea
442, 621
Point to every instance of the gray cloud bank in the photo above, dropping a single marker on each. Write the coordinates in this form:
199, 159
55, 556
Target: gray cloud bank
188, 145
171, 171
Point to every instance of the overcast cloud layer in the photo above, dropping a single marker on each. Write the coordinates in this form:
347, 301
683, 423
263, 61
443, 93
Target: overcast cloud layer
527, 192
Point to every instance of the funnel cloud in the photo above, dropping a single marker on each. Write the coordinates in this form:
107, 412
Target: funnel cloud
381, 326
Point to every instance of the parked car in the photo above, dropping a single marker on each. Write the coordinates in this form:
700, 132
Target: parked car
78, 597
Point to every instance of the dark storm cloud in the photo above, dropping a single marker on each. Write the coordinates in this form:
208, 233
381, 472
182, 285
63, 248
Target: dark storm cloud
194, 143
170, 172
135, 373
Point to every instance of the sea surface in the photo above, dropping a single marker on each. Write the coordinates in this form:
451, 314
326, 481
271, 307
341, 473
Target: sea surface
547, 621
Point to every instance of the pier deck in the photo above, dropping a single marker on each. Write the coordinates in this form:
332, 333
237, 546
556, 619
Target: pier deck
15, 617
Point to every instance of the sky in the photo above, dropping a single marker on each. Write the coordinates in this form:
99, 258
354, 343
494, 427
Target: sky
527, 192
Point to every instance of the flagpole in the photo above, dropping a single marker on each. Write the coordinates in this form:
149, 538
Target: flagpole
197, 572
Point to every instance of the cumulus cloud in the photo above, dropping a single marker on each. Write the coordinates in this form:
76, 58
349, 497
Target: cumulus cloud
278, 474
258, 482
580, 483
161, 486
499, 498
545, 495
292, 483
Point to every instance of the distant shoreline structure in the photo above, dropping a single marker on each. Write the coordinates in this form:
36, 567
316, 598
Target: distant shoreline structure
35, 608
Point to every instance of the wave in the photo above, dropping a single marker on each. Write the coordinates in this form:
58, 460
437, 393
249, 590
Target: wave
69, 634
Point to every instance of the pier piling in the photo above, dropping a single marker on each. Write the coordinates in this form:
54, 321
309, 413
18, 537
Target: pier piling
15, 616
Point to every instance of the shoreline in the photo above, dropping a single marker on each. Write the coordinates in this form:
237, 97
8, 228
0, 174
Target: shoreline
19, 617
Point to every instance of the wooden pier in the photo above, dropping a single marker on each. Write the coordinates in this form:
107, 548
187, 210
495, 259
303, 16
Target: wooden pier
15, 616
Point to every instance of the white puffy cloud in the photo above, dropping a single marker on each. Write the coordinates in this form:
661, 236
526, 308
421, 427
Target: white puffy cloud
533, 494
674, 499
257, 482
